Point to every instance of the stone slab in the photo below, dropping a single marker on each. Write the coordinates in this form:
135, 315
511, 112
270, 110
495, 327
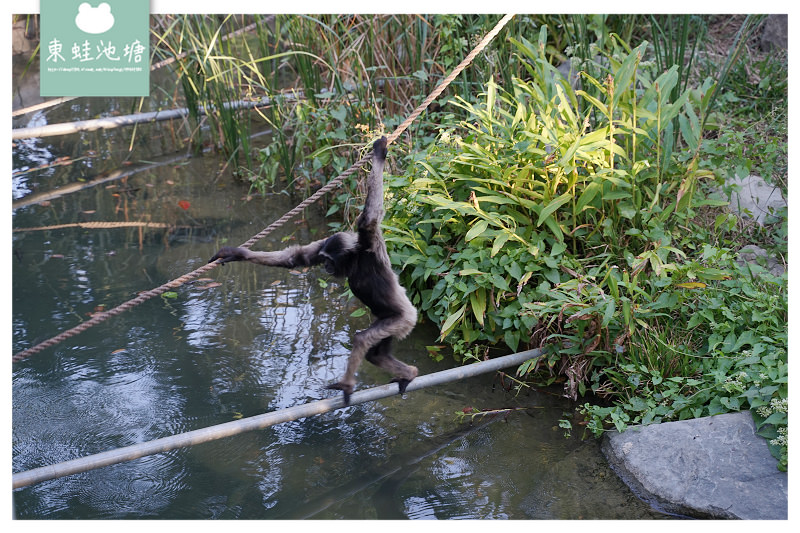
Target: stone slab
713, 467
756, 198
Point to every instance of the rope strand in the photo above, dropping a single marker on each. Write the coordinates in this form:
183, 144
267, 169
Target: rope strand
334, 183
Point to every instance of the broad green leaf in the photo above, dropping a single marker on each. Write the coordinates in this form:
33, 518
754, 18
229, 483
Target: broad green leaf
598, 136
430, 169
542, 36
687, 133
553, 226
616, 195
499, 242
552, 207
477, 229
451, 321
713, 274
693, 120
776, 418
595, 102
624, 75
588, 194
558, 249
747, 337
491, 95
477, 300
612, 285
565, 109
665, 83
500, 282
618, 150
599, 86
512, 339
626, 312
627, 210
668, 112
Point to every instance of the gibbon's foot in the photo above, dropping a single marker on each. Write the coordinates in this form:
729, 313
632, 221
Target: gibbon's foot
402, 383
346, 389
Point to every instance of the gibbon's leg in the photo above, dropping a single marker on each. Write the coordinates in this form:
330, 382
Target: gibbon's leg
381, 356
363, 341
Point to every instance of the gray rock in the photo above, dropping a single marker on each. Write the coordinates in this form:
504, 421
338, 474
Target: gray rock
775, 33
751, 254
755, 198
569, 72
713, 467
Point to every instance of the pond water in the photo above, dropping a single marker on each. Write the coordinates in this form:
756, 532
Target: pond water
244, 341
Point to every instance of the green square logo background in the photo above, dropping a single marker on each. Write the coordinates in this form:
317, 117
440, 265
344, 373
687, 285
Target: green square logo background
105, 61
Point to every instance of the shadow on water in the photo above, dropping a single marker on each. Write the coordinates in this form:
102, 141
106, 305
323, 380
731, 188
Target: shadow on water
384, 483
243, 341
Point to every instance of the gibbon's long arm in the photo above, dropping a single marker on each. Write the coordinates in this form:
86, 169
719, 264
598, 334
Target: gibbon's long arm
372, 215
291, 257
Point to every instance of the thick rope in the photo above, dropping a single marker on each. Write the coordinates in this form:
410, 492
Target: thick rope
445, 82
334, 183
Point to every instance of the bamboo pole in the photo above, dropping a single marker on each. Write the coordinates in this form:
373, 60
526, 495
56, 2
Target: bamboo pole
228, 429
51, 130
65, 128
102, 225
43, 105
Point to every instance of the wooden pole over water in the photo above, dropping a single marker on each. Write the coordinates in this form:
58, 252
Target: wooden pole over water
228, 429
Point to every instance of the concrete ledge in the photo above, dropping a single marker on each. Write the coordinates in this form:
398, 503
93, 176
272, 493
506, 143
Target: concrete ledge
714, 467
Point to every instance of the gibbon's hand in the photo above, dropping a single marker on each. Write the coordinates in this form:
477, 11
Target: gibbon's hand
228, 254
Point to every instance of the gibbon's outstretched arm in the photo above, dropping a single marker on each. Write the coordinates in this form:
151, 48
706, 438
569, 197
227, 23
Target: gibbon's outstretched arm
362, 258
292, 257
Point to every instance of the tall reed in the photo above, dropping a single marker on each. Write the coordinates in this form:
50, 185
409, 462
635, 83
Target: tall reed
213, 75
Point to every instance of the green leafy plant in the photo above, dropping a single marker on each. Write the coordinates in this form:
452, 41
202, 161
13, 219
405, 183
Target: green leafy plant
534, 222
730, 355
501, 209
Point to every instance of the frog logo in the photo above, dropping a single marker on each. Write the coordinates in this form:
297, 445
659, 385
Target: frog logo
94, 20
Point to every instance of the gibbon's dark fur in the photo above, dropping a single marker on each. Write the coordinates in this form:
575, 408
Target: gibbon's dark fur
360, 257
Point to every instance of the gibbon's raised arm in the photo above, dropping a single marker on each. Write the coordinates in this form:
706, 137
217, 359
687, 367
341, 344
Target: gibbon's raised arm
370, 219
